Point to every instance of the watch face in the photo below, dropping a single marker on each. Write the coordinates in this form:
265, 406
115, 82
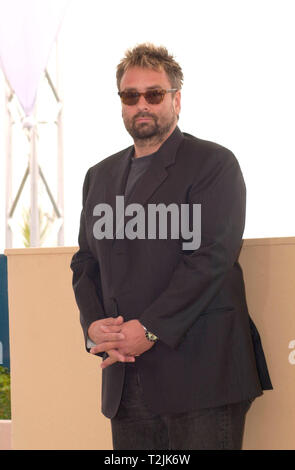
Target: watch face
151, 336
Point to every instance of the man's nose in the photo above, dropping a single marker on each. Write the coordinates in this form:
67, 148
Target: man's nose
142, 103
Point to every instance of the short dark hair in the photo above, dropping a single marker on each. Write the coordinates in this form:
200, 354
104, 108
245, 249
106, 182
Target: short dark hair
149, 56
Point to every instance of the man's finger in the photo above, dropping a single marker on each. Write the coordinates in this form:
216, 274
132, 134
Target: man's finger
113, 336
107, 362
115, 357
119, 319
110, 329
106, 346
112, 320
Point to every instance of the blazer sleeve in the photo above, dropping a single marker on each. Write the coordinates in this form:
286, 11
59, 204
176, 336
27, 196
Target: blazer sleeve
199, 274
86, 276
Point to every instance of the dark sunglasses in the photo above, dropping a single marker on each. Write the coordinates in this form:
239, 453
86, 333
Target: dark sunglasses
151, 96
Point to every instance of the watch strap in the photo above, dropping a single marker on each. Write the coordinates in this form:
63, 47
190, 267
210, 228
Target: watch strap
150, 336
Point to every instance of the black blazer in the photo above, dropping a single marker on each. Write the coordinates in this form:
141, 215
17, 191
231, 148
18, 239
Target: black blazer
209, 351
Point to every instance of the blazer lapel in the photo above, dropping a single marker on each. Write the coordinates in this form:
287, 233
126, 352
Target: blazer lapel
118, 177
157, 171
149, 181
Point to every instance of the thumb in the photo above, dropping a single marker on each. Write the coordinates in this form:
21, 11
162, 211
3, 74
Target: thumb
119, 320
112, 321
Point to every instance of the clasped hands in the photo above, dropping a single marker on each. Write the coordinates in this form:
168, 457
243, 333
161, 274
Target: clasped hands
123, 341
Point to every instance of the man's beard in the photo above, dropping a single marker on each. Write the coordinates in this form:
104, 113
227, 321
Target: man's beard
145, 131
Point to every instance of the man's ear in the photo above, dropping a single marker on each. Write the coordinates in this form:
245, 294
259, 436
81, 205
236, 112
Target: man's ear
177, 102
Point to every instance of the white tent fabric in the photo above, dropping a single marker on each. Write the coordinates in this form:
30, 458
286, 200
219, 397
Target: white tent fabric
28, 29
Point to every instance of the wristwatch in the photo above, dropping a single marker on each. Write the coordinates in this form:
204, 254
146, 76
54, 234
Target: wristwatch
150, 336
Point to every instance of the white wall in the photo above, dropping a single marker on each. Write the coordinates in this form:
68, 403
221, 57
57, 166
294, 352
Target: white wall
239, 75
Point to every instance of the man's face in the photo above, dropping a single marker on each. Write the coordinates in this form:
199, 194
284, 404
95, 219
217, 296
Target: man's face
146, 121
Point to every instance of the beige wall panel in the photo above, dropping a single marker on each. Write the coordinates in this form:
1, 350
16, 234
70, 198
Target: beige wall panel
56, 384
269, 267
5, 434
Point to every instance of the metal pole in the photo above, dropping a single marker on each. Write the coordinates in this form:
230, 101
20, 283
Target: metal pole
34, 170
21, 187
34, 175
8, 198
60, 161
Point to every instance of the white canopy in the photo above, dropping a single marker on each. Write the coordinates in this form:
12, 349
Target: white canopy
28, 29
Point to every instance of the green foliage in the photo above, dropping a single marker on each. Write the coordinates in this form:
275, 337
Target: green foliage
44, 223
5, 409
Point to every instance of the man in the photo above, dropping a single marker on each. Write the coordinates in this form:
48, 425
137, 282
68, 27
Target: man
182, 359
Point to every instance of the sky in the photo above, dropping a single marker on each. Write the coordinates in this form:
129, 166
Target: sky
239, 75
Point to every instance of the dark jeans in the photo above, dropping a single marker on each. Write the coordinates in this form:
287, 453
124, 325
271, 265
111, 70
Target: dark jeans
135, 427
